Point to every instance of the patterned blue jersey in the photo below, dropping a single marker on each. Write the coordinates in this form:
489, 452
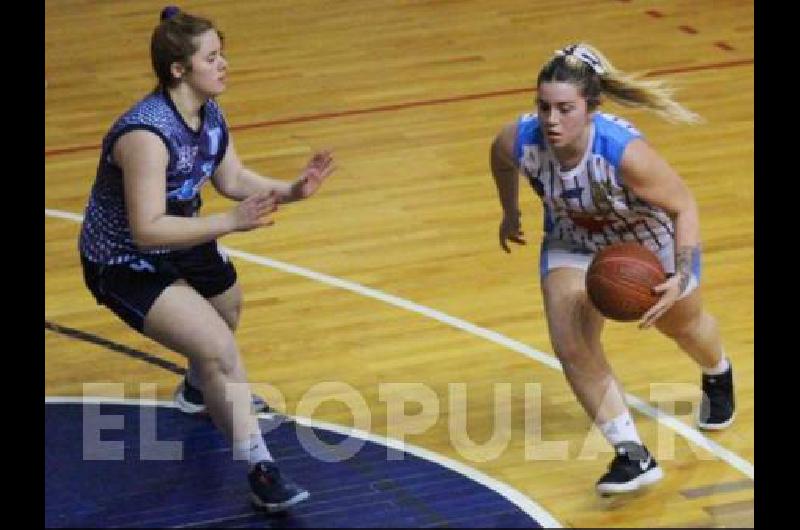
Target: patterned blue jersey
589, 206
193, 157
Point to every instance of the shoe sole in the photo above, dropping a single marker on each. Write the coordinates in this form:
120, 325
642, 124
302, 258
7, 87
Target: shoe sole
645, 479
715, 426
280, 506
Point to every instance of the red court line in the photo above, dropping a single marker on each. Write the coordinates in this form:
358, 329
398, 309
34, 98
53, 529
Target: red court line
414, 104
382, 108
713, 66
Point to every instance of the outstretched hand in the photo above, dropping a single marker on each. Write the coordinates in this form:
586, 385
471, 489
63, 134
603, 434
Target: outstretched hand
314, 174
253, 212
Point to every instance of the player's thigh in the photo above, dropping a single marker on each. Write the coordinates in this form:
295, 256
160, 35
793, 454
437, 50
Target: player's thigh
208, 269
184, 321
570, 315
229, 305
572, 321
684, 314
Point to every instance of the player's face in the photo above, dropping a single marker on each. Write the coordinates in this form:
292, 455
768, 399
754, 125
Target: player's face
563, 113
209, 67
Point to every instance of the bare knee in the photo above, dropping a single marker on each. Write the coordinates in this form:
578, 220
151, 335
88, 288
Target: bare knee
580, 360
222, 358
569, 353
687, 328
578, 345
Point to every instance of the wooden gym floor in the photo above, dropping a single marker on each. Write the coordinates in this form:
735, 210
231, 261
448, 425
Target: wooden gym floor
409, 94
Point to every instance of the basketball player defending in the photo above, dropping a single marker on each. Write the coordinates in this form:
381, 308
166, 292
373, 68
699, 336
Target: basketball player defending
151, 258
600, 183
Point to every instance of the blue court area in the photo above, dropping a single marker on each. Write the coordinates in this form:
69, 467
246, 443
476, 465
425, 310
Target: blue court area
150, 482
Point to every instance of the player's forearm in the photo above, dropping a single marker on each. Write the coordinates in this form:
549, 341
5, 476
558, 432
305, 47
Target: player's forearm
687, 241
506, 179
173, 232
249, 183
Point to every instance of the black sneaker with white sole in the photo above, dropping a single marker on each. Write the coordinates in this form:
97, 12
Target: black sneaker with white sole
632, 468
189, 400
271, 491
717, 406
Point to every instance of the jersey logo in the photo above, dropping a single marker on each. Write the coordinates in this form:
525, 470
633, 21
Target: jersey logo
142, 265
187, 191
186, 156
600, 195
214, 136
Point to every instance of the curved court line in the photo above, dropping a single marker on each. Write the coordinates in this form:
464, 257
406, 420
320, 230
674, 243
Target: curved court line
517, 498
665, 419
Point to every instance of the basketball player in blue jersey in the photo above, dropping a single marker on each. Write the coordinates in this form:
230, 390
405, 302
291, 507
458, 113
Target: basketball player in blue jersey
151, 258
600, 183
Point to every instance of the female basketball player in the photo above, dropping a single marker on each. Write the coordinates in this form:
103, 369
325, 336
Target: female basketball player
600, 182
151, 258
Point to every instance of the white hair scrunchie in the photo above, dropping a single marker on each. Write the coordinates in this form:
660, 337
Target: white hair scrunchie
584, 55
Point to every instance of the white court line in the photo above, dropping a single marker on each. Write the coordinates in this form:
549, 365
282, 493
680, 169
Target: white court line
689, 433
521, 501
63, 215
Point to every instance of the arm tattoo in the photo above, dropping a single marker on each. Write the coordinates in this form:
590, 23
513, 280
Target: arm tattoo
683, 266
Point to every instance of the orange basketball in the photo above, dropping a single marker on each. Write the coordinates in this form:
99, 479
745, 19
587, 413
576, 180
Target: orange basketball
620, 280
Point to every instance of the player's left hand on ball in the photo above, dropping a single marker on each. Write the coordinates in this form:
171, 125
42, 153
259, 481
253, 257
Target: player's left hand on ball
671, 290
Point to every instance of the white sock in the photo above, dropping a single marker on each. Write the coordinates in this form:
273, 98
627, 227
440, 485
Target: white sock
621, 429
253, 450
721, 367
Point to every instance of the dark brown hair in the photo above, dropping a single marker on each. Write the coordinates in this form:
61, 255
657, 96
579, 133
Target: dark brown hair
173, 41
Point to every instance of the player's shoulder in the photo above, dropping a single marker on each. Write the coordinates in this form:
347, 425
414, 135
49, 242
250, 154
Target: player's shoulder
528, 134
614, 126
612, 136
152, 109
528, 120
528, 128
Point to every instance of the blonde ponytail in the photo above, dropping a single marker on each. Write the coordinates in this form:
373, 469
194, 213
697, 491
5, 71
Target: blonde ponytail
585, 66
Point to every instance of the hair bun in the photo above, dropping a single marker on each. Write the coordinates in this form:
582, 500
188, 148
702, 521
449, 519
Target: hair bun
169, 12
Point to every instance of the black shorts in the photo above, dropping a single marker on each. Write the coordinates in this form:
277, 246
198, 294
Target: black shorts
131, 289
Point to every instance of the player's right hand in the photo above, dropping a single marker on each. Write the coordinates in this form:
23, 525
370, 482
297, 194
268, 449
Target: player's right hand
511, 230
253, 212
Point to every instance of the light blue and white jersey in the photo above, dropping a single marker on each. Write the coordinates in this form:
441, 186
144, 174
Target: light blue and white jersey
589, 206
193, 157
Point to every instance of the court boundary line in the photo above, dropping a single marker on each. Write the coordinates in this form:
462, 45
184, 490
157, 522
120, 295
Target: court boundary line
513, 495
689, 433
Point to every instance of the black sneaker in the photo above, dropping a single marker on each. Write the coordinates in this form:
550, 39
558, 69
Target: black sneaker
190, 400
717, 405
632, 468
272, 492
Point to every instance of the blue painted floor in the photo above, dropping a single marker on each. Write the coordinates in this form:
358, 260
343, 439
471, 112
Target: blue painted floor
206, 488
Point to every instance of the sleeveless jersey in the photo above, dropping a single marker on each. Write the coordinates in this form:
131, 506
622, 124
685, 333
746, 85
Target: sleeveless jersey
589, 206
193, 157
